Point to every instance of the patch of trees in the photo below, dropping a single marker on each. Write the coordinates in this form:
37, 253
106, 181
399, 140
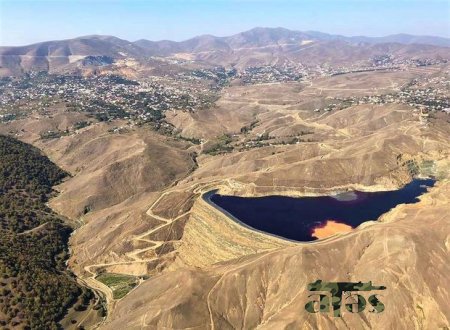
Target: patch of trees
221, 145
53, 134
35, 287
189, 139
81, 124
249, 127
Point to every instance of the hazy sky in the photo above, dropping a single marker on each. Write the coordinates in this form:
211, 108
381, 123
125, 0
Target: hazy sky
24, 22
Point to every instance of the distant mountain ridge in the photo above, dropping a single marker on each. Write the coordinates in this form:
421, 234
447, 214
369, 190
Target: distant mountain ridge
408, 39
257, 46
260, 35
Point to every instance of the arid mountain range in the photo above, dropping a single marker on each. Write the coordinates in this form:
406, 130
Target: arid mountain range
287, 113
256, 47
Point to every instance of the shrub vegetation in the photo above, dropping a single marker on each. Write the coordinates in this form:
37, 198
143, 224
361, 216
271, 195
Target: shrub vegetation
35, 287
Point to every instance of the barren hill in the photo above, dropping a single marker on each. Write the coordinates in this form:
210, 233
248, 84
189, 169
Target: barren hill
142, 152
271, 293
259, 46
137, 196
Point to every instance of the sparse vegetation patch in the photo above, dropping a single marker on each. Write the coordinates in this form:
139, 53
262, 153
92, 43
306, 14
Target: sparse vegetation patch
120, 284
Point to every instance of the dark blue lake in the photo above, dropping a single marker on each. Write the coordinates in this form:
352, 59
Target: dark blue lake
296, 218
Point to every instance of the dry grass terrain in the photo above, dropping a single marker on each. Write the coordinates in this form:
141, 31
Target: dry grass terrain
137, 196
396, 252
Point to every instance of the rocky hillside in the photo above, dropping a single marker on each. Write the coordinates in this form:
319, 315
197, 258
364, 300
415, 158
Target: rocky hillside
259, 46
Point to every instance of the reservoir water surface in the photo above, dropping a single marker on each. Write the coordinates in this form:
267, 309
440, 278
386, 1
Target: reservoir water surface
299, 218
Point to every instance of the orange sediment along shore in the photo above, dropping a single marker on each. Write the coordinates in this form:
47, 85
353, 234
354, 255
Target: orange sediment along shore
331, 227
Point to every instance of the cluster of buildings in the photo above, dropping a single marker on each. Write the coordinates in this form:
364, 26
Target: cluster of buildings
219, 77
290, 71
377, 63
272, 74
426, 100
105, 97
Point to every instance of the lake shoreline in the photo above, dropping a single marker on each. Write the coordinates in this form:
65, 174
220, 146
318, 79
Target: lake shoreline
300, 217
